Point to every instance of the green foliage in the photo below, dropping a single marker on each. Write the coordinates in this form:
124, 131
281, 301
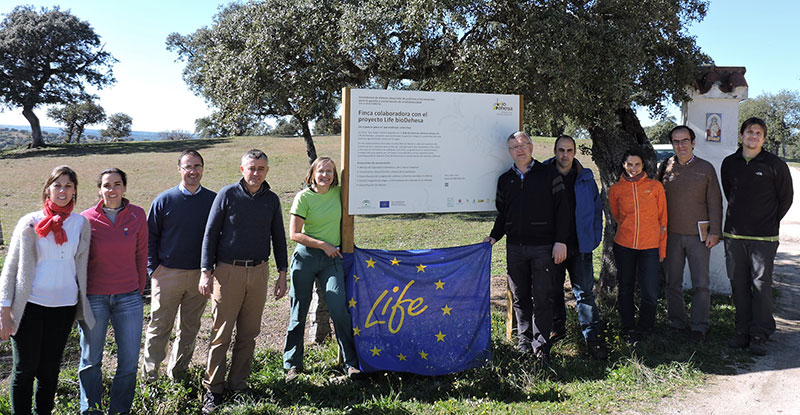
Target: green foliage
118, 127
328, 126
283, 128
781, 113
658, 133
256, 59
46, 57
77, 116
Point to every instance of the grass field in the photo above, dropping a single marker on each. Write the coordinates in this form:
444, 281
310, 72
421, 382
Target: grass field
632, 378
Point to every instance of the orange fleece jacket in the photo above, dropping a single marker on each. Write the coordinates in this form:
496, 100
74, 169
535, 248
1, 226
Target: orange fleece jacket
640, 209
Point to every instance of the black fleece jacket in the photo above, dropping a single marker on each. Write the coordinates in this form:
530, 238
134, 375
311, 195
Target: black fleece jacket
532, 211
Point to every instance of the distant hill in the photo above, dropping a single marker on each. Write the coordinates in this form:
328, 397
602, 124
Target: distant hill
56, 131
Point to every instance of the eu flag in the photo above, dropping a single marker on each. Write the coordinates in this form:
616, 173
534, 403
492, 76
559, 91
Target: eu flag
422, 311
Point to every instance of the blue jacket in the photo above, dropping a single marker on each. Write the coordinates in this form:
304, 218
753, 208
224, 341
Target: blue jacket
588, 208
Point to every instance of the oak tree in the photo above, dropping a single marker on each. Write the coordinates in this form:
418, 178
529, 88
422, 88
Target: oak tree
48, 57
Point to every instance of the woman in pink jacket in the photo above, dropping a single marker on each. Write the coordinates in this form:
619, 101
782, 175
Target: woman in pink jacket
116, 276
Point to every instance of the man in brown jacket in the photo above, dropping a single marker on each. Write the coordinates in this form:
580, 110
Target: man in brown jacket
694, 211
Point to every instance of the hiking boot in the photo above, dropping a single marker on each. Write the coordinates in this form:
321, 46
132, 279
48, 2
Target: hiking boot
697, 336
739, 341
597, 350
354, 373
211, 401
292, 374
758, 346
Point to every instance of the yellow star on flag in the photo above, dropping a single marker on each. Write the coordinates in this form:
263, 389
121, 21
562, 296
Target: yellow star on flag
402, 357
423, 355
375, 351
446, 310
440, 337
356, 331
395, 261
355, 278
439, 285
352, 303
421, 268
370, 263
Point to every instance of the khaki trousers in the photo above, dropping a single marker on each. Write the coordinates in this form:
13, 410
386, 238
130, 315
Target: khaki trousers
173, 290
238, 300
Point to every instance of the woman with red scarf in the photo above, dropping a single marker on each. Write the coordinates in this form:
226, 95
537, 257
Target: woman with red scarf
43, 290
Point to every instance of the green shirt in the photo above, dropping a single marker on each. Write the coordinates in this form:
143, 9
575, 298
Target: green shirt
322, 214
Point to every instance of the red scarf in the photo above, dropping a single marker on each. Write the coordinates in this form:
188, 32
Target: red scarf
54, 219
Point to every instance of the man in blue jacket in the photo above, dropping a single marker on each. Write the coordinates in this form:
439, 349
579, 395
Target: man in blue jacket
585, 233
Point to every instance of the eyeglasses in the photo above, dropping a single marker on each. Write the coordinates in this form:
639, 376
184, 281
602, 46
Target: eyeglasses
196, 167
519, 146
685, 141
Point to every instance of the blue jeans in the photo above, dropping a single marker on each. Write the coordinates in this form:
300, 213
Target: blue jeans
633, 265
581, 277
309, 264
125, 313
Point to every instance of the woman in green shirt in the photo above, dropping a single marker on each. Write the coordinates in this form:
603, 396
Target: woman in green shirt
315, 226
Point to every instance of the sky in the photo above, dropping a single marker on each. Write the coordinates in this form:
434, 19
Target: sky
149, 88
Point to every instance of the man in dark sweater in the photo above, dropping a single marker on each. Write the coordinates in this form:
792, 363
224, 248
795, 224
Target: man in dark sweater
693, 197
245, 219
758, 186
176, 223
530, 198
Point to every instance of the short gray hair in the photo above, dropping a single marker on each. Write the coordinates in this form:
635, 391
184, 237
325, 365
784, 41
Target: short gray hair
517, 134
255, 154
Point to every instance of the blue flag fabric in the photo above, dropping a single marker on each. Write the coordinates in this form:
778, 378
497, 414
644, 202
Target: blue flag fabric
422, 311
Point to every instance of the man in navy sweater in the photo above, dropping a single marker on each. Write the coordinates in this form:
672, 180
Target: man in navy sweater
245, 219
176, 223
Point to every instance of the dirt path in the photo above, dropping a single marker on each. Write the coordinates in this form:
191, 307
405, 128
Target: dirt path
771, 385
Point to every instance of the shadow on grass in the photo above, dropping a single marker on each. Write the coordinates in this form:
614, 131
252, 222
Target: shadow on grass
124, 147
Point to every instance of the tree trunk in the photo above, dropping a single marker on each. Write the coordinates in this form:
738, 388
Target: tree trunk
311, 150
78, 133
36, 129
608, 147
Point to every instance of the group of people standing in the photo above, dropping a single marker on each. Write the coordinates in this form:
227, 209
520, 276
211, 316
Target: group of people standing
551, 215
194, 244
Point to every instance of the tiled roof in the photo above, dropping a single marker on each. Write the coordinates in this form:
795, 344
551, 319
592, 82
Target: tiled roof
727, 78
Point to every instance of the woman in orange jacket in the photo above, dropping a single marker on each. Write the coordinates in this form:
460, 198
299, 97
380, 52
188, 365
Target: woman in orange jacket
639, 206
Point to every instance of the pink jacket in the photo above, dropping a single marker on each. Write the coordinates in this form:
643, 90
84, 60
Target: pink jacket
118, 252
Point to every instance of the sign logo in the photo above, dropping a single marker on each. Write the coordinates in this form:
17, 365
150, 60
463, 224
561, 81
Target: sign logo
502, 106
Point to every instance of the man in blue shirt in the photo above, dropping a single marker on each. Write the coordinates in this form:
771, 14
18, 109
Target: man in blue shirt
176, 223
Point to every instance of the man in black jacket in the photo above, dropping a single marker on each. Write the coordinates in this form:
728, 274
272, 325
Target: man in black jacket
758, 187
530, 196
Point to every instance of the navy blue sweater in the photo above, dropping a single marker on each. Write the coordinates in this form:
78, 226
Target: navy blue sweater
241, 226
176, 224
